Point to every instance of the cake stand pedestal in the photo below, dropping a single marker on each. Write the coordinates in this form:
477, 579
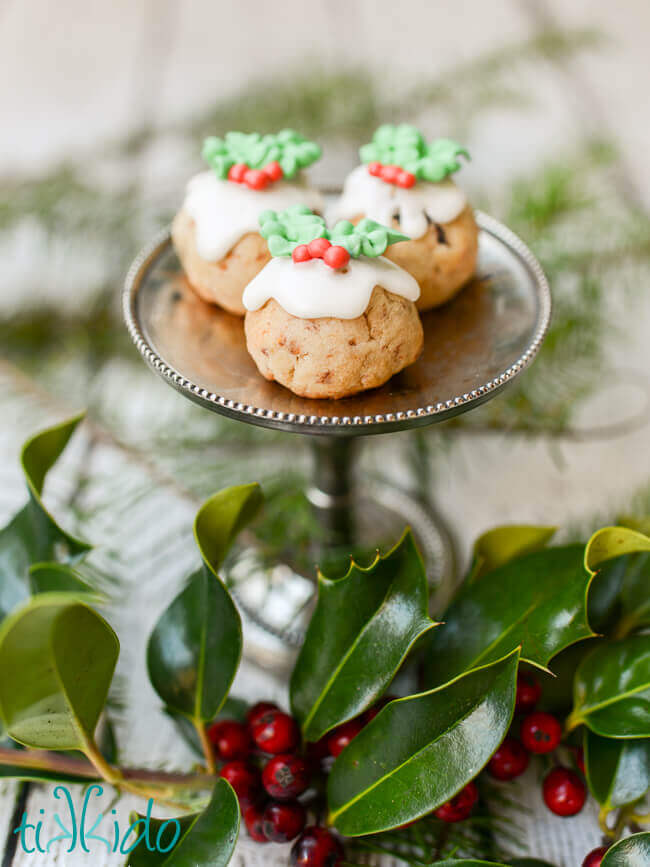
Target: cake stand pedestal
473, 347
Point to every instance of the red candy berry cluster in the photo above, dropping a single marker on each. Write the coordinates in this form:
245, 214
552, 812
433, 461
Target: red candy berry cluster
392, 174
255, 179
333, 255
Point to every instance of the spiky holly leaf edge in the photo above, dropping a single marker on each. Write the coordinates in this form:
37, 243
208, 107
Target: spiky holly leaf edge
287, 147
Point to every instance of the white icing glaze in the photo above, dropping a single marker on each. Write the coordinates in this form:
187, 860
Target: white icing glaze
366, 195
224, 211
310, 290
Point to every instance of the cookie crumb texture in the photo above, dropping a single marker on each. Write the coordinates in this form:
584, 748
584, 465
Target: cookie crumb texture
221, 282
334, 358
442, 260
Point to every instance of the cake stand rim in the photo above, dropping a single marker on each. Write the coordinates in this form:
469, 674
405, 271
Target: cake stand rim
343, 425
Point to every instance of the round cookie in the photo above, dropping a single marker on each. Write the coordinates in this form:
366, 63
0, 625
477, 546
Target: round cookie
216, 232
405, 182
334, 358
329, 315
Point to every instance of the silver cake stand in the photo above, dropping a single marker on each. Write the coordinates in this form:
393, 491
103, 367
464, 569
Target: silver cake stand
473, 347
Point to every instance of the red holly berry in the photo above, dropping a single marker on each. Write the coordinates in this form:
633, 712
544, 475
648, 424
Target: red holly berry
404, 179
529, 693
283, 822
594, 858
276, 732
375, 168
254, 821
541, 732
236, 173
579, 756
341, 736
564, 792
257, 710
318, 247
316, 847
230, 739
256, 179
460, 806
336, 257
273, 170
300, 254
244, 778
285, 776
389, 173
509, 761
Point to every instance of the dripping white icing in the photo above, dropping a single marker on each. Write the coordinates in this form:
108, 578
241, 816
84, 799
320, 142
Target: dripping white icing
224, 211
368, 196
310, 290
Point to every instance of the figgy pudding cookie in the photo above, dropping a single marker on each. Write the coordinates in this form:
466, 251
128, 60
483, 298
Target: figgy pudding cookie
405, 182
216, 233
329, 315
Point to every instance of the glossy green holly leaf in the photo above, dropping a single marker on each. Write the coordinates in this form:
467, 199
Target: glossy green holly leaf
538, 602
420, 751
195, 648
59, 578
612, 542
633, 851
205, 839
503, 544
611, 693
362, 628
57, 658
33, 535
618, 771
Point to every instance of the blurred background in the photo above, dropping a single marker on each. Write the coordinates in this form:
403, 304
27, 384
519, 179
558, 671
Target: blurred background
104, 108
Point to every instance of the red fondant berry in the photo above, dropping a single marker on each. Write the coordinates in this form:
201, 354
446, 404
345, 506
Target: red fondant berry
318, 247
258, 710
509, 761
595, 857
375, 168
336, 257
230, 739
564, 792
276, 732
236, 173
285, 776
283, 822
254, 821
301, 253
316, 847
460, 806
541, 732
341, 736
244, 778
273, 170
529, 693
256, 179
404, 179
389, 173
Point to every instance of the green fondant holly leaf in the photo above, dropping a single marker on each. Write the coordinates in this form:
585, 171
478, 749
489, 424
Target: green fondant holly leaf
404, 146
289, 148
379, 612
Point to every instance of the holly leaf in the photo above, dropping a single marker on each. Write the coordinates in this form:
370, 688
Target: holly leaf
611, 693
618, 771
503, 544
538, 602
57, 658
59, 578
205, 839
419, 752
529, 862
633, 851
362, 628
33, 535
194, 650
